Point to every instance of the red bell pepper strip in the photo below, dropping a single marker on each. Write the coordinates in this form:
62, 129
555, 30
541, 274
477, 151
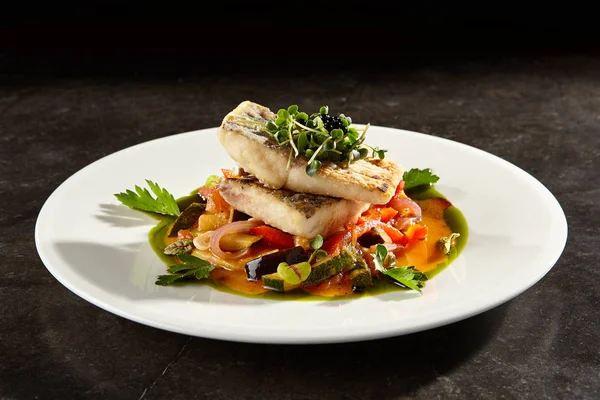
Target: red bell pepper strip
184, 234
227, 173
394, 234
215, 203
387, 213
274, 237
416, 232
334, 243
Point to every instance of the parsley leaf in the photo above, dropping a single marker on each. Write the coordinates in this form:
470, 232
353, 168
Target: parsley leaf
192, 267
408, 277
141, 199
417, 177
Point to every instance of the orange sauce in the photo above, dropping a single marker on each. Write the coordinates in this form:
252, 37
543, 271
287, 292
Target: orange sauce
425, 254
337, 285
236, 280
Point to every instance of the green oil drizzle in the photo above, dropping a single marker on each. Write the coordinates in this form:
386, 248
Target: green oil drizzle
156, 238
452, 215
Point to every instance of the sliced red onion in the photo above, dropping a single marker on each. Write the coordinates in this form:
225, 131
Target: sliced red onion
406, 207
392, 247
202, 242
403, 223
234, 227
389, 246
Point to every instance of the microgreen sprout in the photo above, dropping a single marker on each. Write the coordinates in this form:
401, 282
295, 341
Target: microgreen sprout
316, 244
320, 137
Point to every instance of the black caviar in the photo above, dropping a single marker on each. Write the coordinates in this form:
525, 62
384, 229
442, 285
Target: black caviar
330, 122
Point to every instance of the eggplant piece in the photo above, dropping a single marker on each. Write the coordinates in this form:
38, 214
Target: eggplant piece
375, 236
186, 201
268, 263
239, 216
369, 239
187, 218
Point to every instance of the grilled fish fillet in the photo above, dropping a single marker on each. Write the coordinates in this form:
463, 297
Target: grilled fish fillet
300, 214
372, 181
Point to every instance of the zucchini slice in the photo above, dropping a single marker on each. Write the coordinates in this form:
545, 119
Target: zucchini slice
360, 273
328, 267
275, 282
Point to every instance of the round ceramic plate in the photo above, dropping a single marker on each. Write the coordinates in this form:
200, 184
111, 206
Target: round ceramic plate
99, 248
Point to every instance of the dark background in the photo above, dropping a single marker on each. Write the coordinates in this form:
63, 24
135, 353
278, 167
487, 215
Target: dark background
104, 38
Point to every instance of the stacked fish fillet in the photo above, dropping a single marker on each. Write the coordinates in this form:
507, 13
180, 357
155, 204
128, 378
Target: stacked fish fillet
288, 198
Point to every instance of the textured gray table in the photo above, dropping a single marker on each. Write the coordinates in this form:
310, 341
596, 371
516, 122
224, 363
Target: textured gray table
541, 114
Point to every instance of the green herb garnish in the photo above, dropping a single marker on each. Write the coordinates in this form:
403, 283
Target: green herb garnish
418, 177
192, 267
294, 274
407, 277
183, 246
448, 243
141, 199
211, 181
316, 244
320, 137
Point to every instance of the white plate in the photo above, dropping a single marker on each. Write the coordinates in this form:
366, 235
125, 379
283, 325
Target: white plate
99, 249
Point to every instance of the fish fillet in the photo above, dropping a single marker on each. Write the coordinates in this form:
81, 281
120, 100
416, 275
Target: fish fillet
301, 214
372, 181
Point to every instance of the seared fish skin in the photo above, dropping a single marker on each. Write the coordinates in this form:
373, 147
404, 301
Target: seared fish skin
300, 214
372, 181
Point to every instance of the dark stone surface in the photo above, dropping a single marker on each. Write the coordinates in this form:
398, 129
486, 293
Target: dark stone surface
540, 113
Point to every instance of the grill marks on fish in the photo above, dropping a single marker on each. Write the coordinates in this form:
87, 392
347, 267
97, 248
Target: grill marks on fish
305, 204
301, 214
371, 180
